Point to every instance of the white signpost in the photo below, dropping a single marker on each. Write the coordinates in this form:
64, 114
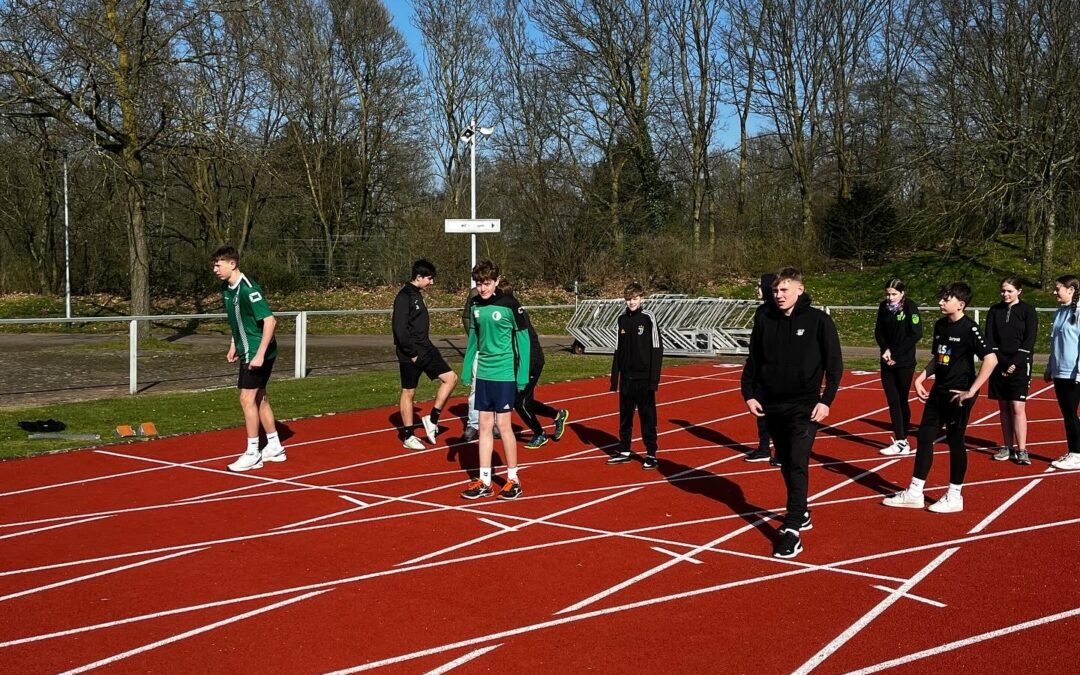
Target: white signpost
471, 225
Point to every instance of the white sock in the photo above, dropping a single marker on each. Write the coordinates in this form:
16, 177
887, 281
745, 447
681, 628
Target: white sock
511, 474
253, 444
273, 440
916, 485
485, 475
954, 491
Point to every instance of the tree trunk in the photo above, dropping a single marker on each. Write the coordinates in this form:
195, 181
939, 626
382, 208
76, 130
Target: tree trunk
1046, 266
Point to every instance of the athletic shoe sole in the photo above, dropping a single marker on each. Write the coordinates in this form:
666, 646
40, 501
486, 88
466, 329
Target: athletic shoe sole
279, 457
619, 459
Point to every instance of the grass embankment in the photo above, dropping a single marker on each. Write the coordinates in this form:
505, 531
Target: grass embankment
219, 408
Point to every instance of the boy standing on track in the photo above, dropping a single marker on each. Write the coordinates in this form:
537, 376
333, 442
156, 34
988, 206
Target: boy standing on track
635, 374
252, 344
499, 347
957, 341
793, 346
417, 355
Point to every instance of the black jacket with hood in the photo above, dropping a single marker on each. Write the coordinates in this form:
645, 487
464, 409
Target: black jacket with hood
789, 356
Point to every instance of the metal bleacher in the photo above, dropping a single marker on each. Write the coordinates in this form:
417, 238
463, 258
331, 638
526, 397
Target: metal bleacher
688, 326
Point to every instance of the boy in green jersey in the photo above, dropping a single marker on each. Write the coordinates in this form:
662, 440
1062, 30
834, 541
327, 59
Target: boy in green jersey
499, 346
253, 345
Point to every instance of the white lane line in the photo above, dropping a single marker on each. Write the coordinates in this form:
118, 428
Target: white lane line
495, 523
52, 527
381, 501
354, 500
183, 636
985, 522
678, 556
911, 596
85, 577
461, 660
967, 642
852, 630
525, 523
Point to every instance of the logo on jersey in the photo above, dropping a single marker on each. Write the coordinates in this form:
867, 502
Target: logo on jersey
255, 296
800, 331
944, 354
641, 330
496, 315
476, 313
915, 318
506, 407
521, 310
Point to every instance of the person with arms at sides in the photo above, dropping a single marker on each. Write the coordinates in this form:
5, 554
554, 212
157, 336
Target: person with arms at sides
635, 374
762, 454
526, 405
793, 348
897, 331
957, 341
1011, 329
417, 355
253, 344
499, 347
1063, 368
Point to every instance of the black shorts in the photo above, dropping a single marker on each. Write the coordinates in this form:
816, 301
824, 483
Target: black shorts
255, 378
1013, 387
430, 363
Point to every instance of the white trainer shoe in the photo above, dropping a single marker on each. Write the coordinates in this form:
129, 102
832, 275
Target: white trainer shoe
948, 504
897, 448
905, 500
413, 443
251, 459
1067, 461
274, 453
430, 428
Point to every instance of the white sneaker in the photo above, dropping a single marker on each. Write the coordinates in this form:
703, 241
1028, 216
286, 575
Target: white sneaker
430, 428
251, 459
413, 443
274, 453
897, 448
948, 504
1067, 461
905, 500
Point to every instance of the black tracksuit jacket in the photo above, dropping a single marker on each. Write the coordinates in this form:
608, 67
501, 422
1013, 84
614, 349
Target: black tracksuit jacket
411, 324
640, 351
789, 356
899, 333
1011, 333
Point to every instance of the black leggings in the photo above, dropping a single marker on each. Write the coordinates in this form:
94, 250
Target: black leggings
939, 412
896, 381
1068, 398
528, 407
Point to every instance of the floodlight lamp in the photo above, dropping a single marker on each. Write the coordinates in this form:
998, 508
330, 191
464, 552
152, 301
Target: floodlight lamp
468, 133
487, 131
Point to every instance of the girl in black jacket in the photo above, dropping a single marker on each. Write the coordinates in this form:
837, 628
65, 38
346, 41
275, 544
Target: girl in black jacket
897, 331
1011, 327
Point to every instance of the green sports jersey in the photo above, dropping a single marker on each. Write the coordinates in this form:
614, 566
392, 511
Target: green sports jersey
246, 307
498, 341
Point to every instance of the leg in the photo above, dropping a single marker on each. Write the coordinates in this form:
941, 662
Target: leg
903, 387
539, 408
474, 417
626, 416
928, 431
1005, 413
892, 397
1068, 396
250, 406
1018, 413
447, 382
266, 413
524, 405
803, 432
762, 435
487, 439
405, 406
509, 443
647, 412
955, 428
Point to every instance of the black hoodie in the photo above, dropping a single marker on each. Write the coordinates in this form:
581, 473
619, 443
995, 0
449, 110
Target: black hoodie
789, 356
410, 324
899, 333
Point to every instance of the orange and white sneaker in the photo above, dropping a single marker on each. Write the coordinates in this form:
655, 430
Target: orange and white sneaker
512, 490
477, 489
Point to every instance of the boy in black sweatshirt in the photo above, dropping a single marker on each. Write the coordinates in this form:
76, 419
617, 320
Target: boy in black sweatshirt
792, 347
635, 374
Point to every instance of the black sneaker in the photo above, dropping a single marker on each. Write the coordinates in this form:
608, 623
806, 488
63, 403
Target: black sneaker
560, 423
470, 435
773, 461
619, 459
807, 523
512, 490
759, 455
649, 463
537, 441
476, 490
789, 546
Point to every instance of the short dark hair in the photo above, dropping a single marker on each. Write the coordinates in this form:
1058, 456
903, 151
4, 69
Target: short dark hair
505, 287
633, 290
957, 289
422, 268
895, 284
485, 270
225, 253
1013, 281
787, 274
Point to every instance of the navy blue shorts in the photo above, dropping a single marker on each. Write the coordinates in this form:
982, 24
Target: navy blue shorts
496, 397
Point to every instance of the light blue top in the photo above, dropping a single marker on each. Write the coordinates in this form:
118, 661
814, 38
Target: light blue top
1064, 363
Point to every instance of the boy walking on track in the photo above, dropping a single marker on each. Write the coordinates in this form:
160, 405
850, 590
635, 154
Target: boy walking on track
417, 355
793, 346
252, 344
499, 346
957, 341
635, 374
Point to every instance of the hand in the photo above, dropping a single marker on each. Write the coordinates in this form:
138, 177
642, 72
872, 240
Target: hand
755, 407
886, 356
256, 362
231, 356
891, 362
959, 396
1011, 369
921, 391
820, 412
1046, 376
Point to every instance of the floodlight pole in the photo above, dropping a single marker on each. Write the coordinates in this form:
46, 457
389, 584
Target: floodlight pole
472, 190
67, 256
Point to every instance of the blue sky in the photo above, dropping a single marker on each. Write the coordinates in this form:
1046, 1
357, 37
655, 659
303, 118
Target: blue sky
402, 12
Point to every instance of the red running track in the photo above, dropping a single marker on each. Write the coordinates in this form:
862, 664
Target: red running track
356, 554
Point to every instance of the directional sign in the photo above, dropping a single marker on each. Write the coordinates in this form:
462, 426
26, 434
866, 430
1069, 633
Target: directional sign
472, 225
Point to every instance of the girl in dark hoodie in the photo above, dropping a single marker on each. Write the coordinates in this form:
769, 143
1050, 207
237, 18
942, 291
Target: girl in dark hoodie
898, 331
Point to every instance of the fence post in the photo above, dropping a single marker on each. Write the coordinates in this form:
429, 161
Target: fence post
300, 360
133, 356
828, 310
977, 317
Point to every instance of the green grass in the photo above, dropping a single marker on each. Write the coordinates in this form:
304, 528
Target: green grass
219, 408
